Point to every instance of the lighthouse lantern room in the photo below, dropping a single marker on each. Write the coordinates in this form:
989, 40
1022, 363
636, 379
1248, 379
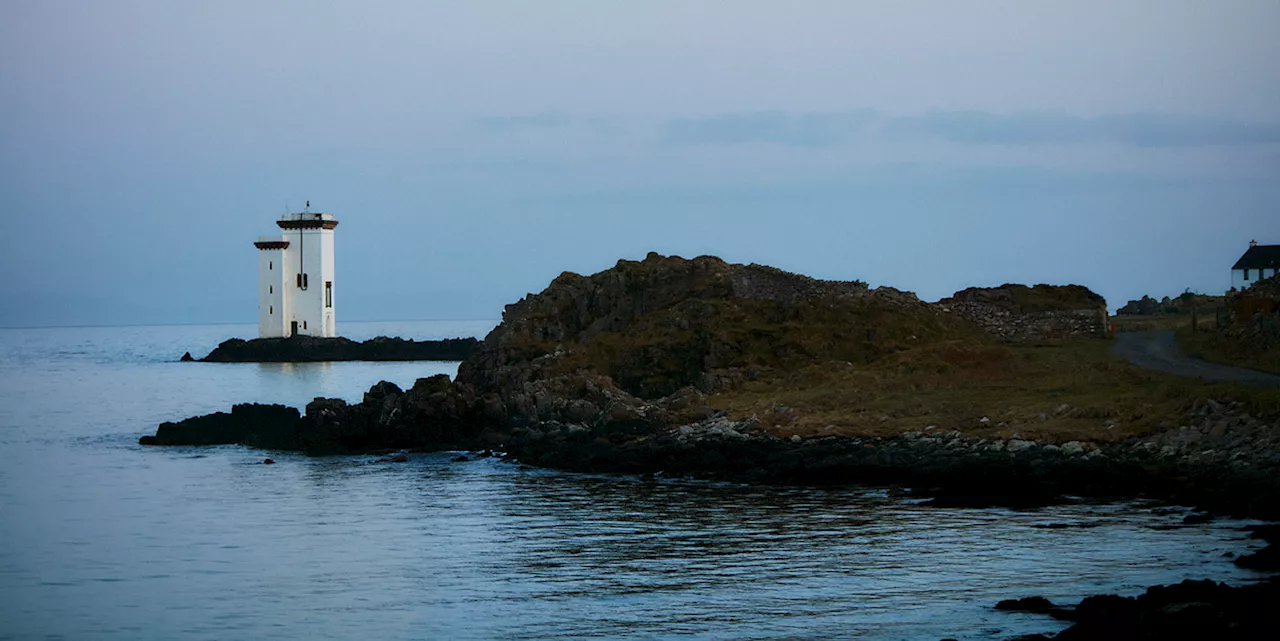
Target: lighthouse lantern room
295, 277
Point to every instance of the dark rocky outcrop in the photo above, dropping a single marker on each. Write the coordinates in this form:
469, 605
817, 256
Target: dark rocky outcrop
645, 330
1187, 610
266, 426
1027, 604
1268, 558
306, 349
430, 415
959, 470
633, 347
612, 372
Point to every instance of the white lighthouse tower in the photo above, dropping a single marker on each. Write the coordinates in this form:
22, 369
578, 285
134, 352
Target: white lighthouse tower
295, 277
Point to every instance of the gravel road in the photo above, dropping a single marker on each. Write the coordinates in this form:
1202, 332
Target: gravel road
1157, 350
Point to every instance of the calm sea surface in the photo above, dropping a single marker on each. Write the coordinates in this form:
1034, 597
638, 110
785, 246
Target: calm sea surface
103, 539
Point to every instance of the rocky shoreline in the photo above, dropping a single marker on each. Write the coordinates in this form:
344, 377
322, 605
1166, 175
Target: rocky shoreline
1192, 610
616, 372
1188, 610
1223, 460
1200, 466
620, 372
308, 349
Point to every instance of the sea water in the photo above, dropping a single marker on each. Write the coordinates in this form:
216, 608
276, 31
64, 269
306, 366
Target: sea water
101, 538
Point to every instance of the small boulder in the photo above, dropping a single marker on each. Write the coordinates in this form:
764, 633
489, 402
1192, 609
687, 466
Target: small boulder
1027, 604
1073, 448
1018, 445
1267, 559
186, 358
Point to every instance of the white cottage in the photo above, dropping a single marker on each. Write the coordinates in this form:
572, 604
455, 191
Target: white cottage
1261, 261
290, 301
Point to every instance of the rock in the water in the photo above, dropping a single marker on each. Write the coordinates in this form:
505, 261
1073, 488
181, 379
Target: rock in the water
186, 357
267, 461
268, 426
1187, 610
306, 349
1267, 559
1269, 532
1026, 604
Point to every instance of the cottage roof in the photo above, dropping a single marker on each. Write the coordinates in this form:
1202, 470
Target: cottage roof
1260, 257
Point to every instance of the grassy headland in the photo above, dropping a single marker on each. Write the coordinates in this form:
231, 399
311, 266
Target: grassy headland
1071, 391
710, 369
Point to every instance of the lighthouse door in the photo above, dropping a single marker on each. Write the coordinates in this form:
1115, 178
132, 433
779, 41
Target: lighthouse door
293, 328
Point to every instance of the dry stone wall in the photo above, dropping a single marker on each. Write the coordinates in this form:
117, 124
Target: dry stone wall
1055, 313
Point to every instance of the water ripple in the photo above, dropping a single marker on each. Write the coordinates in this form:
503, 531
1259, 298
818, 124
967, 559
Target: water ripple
101, 538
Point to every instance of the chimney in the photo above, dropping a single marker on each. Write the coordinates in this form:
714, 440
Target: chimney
1252, 244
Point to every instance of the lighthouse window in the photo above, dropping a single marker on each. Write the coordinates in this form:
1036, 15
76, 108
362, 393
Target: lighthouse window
328, 293
304, 281
304, 324
270, 265
271, 309
271, 289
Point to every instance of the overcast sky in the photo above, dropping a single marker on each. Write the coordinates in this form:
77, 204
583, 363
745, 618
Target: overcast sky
474, 150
